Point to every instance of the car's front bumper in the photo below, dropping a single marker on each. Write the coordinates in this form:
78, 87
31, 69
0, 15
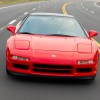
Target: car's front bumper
76, 71
42, 76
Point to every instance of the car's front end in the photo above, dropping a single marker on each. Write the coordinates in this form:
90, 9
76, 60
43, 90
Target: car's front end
52, 45
48, 59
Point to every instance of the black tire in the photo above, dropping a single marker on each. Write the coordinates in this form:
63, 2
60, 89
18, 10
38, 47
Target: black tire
8, 72
93, 78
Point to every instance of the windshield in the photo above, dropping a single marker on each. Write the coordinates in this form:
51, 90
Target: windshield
52, 25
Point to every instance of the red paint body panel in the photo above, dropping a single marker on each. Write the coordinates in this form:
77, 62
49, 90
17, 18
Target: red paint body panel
88, 48
51, 55
24, 45
52, 50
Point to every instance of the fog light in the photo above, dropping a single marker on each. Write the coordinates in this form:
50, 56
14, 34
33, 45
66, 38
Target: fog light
85, 62
20, 58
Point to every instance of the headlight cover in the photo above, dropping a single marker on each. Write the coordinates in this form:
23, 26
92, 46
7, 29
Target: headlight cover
83, 62
20, 58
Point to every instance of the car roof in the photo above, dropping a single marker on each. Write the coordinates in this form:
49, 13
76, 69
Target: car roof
51, 14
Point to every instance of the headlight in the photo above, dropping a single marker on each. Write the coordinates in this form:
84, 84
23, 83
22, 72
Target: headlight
20, 58
83, 62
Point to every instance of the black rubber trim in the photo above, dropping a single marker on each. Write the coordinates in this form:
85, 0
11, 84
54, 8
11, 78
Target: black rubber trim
67, 77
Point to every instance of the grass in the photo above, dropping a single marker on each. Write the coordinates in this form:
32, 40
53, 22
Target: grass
6, 2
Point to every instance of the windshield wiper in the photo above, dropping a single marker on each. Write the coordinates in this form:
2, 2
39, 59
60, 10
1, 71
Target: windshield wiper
61, 35
25, 33
49, 34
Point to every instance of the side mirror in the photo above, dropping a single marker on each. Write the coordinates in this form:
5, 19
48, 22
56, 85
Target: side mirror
11, 29
92, 33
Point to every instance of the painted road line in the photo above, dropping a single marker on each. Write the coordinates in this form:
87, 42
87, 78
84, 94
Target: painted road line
14, 5
96, 42
95, 4
92, 12
2, 28
12, 22
64, 8
25, 13
39, 6
83, 7
34, 9
86, 9
65, 12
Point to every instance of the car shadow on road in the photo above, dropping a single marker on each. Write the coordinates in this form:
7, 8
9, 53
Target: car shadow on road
51, 80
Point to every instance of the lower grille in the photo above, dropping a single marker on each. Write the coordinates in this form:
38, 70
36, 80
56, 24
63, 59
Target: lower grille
20, 66
83, 70
53, 71
53, 68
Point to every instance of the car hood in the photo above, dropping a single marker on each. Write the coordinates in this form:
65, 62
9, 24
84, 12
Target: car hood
53, 43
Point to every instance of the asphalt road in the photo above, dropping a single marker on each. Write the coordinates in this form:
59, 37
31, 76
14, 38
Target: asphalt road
19, 88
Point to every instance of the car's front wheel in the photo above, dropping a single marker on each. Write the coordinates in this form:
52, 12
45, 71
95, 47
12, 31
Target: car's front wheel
8, 72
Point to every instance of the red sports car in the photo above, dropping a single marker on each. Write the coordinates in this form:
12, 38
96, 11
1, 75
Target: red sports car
50, 44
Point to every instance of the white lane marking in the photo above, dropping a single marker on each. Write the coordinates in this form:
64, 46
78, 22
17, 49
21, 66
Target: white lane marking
83, 7
14, 6
92, 12
34, 9
86, 9
95, 4
25, 13
2, 28
39, 6
12, 22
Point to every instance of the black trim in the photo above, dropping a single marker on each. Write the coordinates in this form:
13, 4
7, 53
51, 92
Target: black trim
66, 77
